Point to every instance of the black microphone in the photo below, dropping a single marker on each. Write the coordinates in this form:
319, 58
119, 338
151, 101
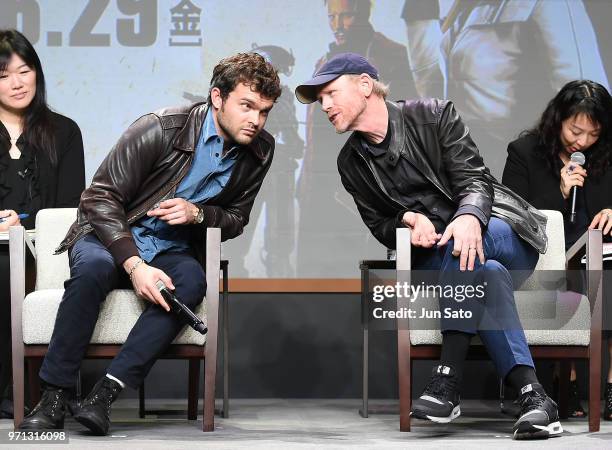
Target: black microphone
578, 158
179, 308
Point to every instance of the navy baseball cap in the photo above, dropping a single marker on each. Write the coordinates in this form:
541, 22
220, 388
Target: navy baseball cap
341, 64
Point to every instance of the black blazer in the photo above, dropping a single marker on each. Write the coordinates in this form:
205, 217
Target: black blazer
59, 186
528, 175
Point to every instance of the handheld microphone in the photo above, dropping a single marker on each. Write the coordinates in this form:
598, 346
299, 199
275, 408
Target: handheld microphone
578, 158
179, 308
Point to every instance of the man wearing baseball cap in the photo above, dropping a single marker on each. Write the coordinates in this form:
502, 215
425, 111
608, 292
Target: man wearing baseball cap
413, 164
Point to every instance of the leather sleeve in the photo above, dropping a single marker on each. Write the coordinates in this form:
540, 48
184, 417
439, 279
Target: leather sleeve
116, 182
232, 218
470, 180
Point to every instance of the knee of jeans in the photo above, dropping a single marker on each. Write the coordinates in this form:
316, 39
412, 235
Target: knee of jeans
192, 287
193, 294
496, 276
94, 268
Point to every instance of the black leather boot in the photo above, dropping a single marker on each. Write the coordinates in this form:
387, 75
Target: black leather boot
95, 410
50, 411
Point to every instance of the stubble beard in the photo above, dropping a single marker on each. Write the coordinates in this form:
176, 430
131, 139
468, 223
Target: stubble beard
349, 125
233, 136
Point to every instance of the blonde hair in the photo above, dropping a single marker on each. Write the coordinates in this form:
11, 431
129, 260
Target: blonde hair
379, 88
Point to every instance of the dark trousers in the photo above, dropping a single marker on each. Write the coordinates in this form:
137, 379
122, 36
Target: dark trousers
495, 318
93, 274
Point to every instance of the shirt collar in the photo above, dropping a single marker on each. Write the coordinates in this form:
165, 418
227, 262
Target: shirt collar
209, 130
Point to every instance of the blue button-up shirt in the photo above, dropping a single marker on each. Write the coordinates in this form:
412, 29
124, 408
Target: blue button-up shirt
207, 176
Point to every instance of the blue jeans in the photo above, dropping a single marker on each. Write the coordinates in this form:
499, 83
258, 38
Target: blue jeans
93, 274
495, 318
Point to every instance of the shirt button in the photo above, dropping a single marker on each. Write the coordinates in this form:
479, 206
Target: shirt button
218, 140
217, 155
391, 158
435, 210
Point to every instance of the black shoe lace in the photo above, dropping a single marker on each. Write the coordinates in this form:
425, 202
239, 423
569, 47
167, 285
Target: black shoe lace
50, 402
531, 400
106, 394
440, 386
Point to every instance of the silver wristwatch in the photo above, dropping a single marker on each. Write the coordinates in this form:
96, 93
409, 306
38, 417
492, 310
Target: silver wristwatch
199, 218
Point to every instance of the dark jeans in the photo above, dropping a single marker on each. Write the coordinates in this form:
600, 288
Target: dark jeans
495, 319
93, 274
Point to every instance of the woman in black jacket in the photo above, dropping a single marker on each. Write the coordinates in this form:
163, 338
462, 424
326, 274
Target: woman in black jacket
539, 168
41, 165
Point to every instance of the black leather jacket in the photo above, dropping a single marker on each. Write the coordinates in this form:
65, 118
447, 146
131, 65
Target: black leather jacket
432, 136
146, 166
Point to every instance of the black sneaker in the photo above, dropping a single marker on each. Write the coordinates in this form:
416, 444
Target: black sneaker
440, 399
539, 417
95, 410
608, 402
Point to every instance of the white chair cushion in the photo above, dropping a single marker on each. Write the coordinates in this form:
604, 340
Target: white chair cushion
51, 228
550, 318
554, 258
117, 317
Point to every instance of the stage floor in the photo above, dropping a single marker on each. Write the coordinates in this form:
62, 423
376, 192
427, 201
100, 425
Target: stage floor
329, 424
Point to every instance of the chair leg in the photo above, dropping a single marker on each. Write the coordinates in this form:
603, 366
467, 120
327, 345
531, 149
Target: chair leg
192, 396
564, 376
594, 391
34, 365
141, 401
365, 374
226, 349
404, 378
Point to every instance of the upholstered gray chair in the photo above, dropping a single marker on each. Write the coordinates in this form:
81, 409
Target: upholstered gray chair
579, 337
33, 315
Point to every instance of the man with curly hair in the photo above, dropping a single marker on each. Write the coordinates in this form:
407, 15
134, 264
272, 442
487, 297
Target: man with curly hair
171, 175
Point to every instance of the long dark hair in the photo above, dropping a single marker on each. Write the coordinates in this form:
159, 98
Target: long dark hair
37, 128
576, 97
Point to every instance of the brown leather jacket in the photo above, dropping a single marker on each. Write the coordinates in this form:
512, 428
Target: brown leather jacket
146, 166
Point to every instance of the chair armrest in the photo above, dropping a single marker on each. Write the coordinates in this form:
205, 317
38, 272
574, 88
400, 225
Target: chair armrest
594, 271
213, 263
404, 247
402, 265
17, 254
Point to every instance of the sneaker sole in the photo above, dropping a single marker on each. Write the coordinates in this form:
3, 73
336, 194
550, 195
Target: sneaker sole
456, 412
527, 430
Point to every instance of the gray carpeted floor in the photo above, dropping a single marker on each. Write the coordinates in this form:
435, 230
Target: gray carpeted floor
328, 424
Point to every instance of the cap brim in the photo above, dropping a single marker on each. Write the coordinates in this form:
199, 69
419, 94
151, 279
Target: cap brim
307, 92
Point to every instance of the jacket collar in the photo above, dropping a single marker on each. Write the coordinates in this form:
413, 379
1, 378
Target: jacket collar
396, 128
187, 137
398, 134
